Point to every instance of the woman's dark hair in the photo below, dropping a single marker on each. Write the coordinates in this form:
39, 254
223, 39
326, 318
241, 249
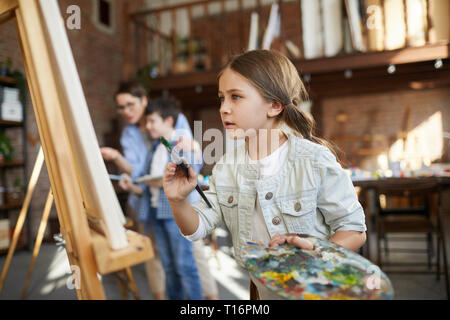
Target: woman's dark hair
277, 79
132, 87
165, 106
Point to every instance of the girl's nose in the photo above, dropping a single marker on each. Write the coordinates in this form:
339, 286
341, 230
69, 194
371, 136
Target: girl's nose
224, 108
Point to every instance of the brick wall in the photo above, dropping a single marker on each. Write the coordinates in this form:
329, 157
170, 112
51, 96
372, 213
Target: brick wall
99, 57
382, 116
388, 122
228, 33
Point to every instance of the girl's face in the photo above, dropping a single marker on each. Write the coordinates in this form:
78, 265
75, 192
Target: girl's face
243, 109
130, 107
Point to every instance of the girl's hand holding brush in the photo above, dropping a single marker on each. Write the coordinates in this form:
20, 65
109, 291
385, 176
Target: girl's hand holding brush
176, 185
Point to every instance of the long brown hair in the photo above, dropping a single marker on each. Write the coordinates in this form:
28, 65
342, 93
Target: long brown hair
277, 79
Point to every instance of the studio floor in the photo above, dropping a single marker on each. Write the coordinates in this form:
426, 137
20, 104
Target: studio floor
51, 275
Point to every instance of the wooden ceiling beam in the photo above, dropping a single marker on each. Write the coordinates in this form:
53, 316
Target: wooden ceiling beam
316, 67
374, 59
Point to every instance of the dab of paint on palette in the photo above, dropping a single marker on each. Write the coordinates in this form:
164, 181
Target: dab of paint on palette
327, 272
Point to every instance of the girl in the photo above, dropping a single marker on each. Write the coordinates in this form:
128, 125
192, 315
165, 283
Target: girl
282, 182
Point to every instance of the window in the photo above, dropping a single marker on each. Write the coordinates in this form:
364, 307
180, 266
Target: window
104, 15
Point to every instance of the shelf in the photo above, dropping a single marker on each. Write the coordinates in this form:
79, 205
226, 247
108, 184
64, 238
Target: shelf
10, 124
11, 206
10, 210
8, 80
318, 66
374, 59
12, 164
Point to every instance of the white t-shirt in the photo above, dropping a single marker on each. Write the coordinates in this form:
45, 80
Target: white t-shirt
269, 166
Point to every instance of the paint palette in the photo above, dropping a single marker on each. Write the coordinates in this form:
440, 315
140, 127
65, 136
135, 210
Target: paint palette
327, 272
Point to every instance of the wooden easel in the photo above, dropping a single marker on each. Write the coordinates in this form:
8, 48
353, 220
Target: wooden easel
89, 214
124, 277
22, 215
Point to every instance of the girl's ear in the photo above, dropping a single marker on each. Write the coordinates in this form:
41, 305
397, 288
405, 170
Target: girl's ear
275, 109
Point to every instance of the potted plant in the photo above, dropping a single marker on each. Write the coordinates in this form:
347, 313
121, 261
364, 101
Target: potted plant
182, 62
147, 72
6, 148
14, 194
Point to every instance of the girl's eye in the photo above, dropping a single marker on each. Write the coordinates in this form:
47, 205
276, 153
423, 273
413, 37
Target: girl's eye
235, 97
221, 99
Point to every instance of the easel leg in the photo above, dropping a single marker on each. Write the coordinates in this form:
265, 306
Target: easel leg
23, 213
121, 280
132, 283
40, 236
126, 283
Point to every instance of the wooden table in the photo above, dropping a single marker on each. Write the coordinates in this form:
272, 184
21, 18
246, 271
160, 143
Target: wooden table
367, 195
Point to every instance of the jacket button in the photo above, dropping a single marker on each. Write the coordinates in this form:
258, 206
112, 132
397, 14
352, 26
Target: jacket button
297, 206
230, 199
276, 221
269, 195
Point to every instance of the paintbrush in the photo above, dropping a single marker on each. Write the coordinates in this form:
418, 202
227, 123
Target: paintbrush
182, 163
144, 178
115, 177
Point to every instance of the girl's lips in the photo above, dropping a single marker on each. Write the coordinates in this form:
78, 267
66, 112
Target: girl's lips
228, 124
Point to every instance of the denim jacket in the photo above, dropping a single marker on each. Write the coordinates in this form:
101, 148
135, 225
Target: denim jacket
311, 194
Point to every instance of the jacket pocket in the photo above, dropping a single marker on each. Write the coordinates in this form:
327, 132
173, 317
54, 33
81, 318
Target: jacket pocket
299, 214
228, 201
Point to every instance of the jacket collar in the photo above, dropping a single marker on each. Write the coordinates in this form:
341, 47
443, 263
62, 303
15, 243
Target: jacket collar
251, 170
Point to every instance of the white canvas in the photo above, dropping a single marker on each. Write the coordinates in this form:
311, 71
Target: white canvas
312, 29
84, 142
332, 26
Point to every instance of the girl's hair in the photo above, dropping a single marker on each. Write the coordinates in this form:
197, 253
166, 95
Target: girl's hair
277, 79
132, 87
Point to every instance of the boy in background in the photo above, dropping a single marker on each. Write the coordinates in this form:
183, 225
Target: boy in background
176, 252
